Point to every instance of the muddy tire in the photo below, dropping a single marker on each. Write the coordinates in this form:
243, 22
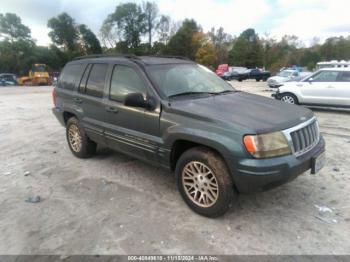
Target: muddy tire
78, 142
204, 182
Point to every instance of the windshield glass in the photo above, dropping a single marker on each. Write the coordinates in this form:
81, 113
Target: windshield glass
176, 79
285, 73
40, 68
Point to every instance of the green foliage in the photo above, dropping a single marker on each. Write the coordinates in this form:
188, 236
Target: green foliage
63, 31
181, 43
12, 29
130, 22
89, 42
247, 50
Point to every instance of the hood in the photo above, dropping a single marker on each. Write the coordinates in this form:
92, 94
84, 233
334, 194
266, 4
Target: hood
278, 79
254, 112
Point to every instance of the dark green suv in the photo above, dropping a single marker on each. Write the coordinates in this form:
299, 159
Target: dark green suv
177, 114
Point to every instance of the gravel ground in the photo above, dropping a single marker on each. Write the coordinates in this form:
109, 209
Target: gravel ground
113, 204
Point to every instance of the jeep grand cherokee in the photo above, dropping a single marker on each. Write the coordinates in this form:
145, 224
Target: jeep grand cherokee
179, 115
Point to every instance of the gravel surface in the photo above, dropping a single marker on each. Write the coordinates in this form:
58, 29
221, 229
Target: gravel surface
114, 204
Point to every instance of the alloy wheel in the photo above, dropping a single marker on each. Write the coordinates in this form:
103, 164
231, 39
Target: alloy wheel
200, 184
74, 138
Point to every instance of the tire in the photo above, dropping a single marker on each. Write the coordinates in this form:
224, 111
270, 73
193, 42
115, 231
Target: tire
289, 98
189, 169
78, 142
257, 79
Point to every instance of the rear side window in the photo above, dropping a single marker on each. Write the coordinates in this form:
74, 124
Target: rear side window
344, 77
70, 76
125, 81
96, 80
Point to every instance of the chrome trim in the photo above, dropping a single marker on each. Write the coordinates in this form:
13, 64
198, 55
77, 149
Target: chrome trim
287, 134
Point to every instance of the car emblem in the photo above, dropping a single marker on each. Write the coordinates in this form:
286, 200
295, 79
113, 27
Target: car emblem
303, 118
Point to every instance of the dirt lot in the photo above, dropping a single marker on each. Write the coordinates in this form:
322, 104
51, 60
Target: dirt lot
113, 204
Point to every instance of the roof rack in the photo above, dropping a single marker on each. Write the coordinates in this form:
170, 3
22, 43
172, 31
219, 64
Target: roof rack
171, 56
129, 56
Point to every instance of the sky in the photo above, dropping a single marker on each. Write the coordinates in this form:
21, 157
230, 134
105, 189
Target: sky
307, 19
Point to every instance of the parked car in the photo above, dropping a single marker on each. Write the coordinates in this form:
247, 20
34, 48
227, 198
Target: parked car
256, 74
229, 75
8, 80
179, 115
282, 77
326, 87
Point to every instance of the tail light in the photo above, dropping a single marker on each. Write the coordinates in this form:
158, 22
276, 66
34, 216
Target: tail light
54, 96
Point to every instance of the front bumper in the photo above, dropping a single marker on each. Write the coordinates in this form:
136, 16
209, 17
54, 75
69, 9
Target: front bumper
252, 175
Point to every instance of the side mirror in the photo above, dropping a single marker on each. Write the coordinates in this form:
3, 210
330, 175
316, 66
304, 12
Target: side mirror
310, 80
137, 100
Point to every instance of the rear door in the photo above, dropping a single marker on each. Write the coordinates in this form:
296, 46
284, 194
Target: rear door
343, 89
132, 130
88, 100
320, 88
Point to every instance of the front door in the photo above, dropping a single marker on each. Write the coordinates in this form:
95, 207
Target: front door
132, 130
320, 88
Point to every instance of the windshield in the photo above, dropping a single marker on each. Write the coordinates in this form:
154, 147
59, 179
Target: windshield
285, 73
40, 68
176, 79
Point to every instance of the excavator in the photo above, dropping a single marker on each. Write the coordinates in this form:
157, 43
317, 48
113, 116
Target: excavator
38, 75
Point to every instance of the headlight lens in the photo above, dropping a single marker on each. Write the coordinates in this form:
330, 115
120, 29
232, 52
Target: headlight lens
267, 145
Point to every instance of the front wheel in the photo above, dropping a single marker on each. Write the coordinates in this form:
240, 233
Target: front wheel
289, 98
204, 182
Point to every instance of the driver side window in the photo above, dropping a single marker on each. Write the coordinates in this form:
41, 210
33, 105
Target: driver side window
326, 76
125, 81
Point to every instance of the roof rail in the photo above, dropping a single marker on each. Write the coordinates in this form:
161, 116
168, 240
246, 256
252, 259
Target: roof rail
171, 56
129, 56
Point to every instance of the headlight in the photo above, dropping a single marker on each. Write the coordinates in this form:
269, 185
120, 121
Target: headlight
267, 145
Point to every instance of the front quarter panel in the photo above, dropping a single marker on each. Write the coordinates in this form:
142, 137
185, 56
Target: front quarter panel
227, 141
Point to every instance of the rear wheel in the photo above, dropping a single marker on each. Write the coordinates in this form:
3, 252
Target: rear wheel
289, 98
80, 145
204, 182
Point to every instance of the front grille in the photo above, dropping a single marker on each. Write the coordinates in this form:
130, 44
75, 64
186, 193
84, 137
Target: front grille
305, 138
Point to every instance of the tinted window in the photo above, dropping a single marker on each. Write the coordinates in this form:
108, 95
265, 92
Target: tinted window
344, 77
96, 81
326, 76
70, 76
125, 81
82, 84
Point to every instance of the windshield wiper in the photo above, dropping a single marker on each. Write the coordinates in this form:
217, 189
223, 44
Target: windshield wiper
191, 93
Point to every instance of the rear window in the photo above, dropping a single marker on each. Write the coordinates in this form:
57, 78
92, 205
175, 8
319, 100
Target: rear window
71, 76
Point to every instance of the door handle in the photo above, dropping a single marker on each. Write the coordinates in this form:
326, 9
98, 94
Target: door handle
330, 86
78, 100
111, 109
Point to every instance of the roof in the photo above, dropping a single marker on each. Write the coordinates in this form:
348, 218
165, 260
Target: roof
145, 60
346, 69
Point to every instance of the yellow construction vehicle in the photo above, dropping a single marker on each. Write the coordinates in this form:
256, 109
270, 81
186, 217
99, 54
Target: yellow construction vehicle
38, 75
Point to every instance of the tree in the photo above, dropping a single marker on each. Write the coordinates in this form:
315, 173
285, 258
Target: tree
89, 41
150, 11
130, 21
247, 50
222, 43
163, 28
63, 31
182, 42
12, 29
